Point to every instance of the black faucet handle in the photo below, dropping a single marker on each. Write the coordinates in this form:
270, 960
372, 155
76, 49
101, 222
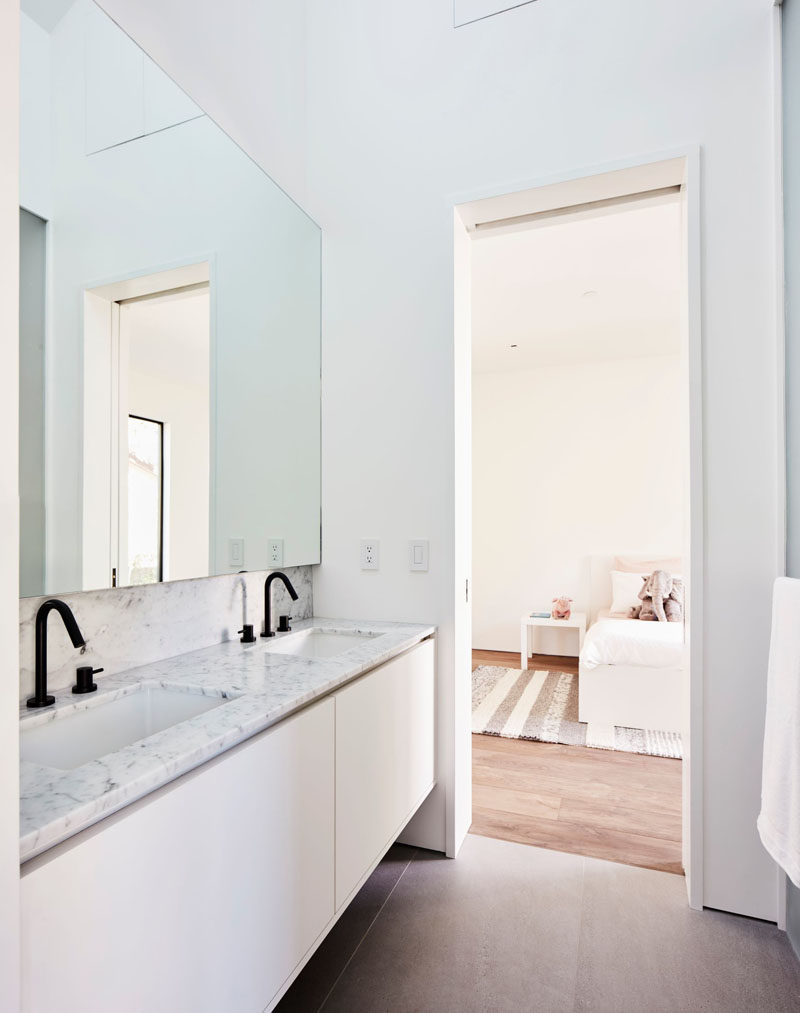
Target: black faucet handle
247, 637
283, 624
84, 682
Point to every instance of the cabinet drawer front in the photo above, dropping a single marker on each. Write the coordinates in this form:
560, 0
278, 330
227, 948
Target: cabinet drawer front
384, 759
204, 898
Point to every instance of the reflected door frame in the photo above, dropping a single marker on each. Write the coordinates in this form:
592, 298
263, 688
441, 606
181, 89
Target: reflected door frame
120, 359
106, 365
120, 414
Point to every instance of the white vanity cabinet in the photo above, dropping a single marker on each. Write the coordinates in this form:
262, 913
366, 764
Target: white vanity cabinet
384, 760
211, 893
203, 898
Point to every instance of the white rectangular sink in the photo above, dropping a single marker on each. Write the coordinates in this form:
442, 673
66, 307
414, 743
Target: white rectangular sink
316, 643
78, 736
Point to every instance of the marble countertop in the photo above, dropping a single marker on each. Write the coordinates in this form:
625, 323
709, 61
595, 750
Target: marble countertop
260, 687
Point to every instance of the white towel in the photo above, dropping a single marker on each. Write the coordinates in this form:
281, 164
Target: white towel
779, 820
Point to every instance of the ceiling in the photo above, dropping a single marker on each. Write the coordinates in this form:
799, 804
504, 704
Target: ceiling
169, 337
578, 289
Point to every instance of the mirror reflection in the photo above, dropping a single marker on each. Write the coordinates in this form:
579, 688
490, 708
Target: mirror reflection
169, 328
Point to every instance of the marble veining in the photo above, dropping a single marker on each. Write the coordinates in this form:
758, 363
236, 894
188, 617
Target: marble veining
126, 627
263, 687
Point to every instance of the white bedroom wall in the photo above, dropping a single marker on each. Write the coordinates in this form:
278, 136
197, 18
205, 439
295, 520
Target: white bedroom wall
9, 505
569, 461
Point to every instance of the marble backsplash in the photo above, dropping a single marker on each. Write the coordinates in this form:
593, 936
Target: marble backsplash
130, 626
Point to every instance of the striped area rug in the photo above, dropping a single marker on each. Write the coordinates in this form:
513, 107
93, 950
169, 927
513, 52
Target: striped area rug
544, 706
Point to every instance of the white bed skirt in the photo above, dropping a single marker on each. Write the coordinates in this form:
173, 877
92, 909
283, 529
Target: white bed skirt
632, 696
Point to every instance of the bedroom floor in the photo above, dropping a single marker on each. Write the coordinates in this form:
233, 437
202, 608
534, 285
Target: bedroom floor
622, 807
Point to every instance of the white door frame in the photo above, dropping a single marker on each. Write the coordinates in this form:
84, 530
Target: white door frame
681, 166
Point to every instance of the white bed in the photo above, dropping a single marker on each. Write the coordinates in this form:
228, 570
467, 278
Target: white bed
631, 672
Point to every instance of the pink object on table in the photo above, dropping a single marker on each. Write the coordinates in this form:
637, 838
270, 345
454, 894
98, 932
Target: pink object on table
562, 607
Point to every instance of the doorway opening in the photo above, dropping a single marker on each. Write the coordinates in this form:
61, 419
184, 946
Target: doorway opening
147, 394
581, 354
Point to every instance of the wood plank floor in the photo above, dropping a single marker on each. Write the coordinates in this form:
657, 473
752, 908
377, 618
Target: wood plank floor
619, 806
511, 659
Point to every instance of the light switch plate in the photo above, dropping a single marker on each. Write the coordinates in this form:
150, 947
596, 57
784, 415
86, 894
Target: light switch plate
275, 552
370, 554
236, 552
418, 554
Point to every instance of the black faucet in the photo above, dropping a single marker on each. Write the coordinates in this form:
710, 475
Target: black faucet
41, 699
277, 575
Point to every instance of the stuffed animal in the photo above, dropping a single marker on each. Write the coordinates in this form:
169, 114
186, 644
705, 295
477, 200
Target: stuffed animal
673, 606
655, 588
562, 607
662, 598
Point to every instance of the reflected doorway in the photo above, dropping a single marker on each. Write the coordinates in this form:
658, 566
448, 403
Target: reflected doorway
147, 432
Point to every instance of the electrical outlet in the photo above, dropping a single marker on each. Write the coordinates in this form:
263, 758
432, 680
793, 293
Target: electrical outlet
236, 552
370, 554
275, 554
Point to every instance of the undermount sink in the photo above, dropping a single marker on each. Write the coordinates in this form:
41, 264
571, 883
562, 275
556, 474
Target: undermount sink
78, 736
315, 643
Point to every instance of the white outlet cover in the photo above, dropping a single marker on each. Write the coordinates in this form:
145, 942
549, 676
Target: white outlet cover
275, 552
370, 554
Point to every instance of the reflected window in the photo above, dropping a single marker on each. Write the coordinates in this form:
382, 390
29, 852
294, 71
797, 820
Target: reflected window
145, 500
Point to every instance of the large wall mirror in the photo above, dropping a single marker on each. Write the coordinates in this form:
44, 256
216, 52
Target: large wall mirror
169, 328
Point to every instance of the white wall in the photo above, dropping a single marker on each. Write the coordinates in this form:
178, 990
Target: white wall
568, 462
35, 110
9, 505
433, 115
465, 11
407, 115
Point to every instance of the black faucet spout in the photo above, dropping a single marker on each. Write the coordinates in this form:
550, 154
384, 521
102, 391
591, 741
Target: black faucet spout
41, 697
271, 578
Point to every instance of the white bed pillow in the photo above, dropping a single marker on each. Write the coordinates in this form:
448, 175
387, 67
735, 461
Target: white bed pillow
625, 588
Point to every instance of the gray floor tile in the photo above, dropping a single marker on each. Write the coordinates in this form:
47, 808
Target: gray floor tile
509, 927
495, 930
309, 990
642, 948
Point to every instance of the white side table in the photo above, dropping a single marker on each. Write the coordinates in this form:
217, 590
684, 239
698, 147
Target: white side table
576, 621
